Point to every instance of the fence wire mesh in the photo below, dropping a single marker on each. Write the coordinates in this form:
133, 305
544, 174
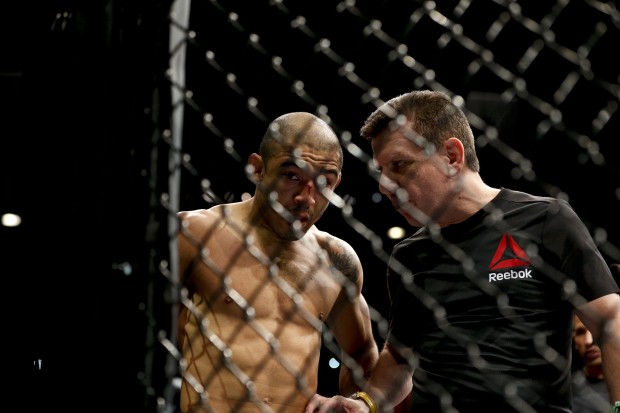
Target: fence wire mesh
538, 79
540, 84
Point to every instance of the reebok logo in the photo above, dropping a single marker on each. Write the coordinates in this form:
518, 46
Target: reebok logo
503, 259
510, 275
509, 254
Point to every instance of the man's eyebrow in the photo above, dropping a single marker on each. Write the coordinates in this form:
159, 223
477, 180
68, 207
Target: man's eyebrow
329, 171
288, 164
293, 164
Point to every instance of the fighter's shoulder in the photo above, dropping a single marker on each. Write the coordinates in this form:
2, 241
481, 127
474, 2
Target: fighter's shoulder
342, 255
333, 244
195, 215
219, 210
200, 218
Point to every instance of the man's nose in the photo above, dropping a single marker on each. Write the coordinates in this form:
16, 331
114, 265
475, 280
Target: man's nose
307, 194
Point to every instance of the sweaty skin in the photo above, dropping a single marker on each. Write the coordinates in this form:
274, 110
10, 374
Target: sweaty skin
260, 283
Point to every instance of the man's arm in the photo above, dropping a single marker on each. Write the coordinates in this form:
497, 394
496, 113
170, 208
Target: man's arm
389, 385
391, 381
602, 318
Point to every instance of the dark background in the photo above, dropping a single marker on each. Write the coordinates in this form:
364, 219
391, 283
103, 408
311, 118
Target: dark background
85, 103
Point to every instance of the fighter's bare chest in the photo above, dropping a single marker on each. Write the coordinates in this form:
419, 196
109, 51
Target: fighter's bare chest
248, 281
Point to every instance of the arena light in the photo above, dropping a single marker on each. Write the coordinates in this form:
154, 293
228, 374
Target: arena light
11, 220
396, 233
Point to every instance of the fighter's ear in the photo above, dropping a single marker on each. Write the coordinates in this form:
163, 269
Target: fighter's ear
255, 168
456, 155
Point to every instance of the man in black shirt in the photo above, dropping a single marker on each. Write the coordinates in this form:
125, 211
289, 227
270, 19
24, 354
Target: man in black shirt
483, 293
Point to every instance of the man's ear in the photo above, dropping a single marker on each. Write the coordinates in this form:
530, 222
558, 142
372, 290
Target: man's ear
338, 181
456, 155
255, 168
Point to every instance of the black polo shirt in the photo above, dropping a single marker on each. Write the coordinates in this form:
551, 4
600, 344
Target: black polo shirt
487, 305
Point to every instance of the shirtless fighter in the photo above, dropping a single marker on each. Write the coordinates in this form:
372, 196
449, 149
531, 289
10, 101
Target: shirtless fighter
261, 279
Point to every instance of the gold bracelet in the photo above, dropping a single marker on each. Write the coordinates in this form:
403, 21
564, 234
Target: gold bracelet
360, 395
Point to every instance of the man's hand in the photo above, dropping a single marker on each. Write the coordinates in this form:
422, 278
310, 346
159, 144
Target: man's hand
336, 404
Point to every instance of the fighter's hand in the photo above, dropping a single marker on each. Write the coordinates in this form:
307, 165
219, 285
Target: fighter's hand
336, 404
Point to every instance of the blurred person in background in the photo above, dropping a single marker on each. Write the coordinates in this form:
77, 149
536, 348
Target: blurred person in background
590, 392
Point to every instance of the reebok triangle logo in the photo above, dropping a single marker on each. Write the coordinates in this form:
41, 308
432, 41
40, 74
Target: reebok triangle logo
514, 257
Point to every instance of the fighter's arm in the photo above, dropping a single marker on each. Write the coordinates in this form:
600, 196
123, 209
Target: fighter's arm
188, 241
191, 223
350, 322
602, 317
352, 330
